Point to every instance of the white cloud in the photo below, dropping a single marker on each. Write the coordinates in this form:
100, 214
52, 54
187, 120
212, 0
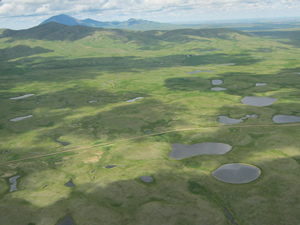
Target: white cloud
160, 9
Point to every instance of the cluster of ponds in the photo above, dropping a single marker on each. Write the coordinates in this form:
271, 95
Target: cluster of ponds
217, 82
234, 173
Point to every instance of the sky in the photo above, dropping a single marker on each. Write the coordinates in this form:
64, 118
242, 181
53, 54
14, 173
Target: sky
22, 14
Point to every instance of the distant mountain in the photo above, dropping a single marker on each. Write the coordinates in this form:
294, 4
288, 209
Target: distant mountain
64, 19
132, 24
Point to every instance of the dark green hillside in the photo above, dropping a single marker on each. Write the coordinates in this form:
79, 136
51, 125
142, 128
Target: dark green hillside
55, 31
291, 36
20, 51
51, 31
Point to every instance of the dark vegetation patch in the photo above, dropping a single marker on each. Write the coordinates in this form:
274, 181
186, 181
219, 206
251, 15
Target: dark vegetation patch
21, 51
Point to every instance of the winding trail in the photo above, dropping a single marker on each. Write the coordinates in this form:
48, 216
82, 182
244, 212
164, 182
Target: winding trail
148, 135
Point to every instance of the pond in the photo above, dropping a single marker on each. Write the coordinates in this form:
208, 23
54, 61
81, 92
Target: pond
259, 101
63, 143
218, 89
133, 100
216, 82
181, 151
20, 118
146, 179
260, 84
286, 119
13, 183
23, 96
70, 184
237, 173
66, 221
202, 71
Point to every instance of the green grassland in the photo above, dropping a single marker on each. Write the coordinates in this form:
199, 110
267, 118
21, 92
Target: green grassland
66, 67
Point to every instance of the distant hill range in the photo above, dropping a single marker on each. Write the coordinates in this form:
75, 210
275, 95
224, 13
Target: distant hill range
132, 24
55, 31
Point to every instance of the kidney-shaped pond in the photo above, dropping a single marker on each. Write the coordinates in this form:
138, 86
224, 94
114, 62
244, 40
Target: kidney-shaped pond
181, 151
237, 173
259, 101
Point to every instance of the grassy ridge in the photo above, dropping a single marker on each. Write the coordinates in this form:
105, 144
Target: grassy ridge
109, 67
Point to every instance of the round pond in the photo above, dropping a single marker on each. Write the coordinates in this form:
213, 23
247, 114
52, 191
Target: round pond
237, 173
181, 151
258, 101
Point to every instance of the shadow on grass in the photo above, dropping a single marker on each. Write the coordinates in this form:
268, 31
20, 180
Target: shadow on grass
184, 193
21, 51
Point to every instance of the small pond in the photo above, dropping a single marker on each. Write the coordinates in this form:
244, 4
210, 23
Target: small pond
227, 120
133, 100
20, 118
237, 173
23, 96
181, 151
216, 82
146, 179
260, 84
110, 166
259, 101
286, 119
218, 89
202, 71
70, 184
66, 221
13, 183
63, 143
226, 64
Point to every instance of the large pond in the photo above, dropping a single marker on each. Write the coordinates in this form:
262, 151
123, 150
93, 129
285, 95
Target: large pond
259, 101
237, 173
23, 96
181, 151
20, 118
13, 183
286, 119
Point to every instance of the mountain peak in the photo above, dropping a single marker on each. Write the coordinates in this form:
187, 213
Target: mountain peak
64, 19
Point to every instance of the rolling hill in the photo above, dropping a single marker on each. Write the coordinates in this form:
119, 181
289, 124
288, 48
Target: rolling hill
56, 31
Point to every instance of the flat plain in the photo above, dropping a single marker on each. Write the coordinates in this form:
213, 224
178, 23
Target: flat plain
80, 80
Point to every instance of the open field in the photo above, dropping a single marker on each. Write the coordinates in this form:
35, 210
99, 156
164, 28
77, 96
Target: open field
82, 80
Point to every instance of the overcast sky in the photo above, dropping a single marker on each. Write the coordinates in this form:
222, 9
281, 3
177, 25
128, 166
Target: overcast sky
18, 14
